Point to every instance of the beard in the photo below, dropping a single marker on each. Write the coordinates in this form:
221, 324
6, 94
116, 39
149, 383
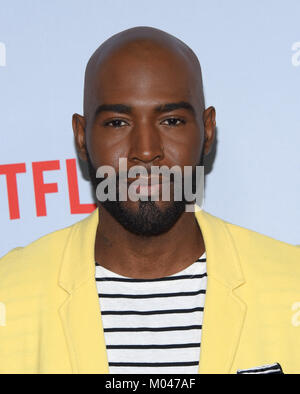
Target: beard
147, 218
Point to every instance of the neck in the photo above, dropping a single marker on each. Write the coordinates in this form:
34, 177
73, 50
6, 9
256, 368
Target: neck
135, 256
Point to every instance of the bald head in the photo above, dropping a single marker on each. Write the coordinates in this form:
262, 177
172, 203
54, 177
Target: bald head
143, 48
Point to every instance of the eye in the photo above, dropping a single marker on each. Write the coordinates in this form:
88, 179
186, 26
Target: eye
173, 122
116, 123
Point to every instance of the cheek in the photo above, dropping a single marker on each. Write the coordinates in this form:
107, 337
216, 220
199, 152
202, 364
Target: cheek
185, 151
104, 149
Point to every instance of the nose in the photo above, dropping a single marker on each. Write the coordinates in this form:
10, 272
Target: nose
145, 145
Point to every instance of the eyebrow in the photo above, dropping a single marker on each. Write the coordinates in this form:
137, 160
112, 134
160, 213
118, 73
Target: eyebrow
120, 108
172, 106
126, 109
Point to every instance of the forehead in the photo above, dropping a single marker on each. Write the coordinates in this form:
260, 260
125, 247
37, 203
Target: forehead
146, 75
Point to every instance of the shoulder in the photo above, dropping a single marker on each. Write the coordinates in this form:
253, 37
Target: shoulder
263, 260
253, 241
25, 266
259, 253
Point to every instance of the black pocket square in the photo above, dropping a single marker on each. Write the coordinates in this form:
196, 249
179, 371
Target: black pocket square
264, 369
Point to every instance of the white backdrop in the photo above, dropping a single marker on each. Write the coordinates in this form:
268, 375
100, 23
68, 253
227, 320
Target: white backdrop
250, 56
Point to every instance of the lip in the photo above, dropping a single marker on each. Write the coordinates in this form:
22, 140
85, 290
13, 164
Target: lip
148, 186
148, 181
149, 190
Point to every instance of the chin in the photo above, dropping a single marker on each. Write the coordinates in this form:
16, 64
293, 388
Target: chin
145, 218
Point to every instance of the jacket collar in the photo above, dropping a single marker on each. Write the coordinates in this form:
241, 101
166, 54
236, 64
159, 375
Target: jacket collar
78, 259
220, 247
78, 262
224, 311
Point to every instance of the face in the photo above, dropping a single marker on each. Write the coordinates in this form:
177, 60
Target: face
145, 107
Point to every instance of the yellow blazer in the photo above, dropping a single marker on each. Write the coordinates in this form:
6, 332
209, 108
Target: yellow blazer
50, 320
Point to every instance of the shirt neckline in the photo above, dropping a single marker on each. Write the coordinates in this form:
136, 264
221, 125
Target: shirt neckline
186, 271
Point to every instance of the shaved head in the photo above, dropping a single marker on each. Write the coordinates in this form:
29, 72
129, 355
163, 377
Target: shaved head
141, 45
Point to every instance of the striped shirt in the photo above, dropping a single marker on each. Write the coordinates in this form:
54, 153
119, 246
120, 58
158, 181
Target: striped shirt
153, 325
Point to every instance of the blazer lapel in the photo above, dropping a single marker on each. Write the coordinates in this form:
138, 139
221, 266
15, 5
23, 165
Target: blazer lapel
80, 313
224, 312
223, 321
82, 323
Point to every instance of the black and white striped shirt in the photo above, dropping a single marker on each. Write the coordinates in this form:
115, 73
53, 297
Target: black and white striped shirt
153, 325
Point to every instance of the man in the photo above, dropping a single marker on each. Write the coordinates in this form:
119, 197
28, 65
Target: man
163, 308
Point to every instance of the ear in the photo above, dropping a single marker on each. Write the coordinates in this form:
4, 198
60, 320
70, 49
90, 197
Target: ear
78, 124
209, 120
